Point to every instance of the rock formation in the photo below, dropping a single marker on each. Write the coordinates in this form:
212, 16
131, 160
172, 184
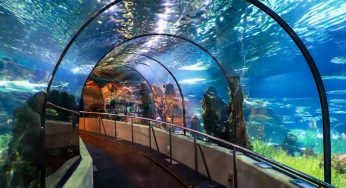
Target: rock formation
339, 163
22, 166
236, 117
215, 114
264, 125
146, 101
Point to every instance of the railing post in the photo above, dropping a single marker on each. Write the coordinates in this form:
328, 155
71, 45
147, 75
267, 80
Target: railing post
196, 160
205, 164
115, 127
170, 144
149, 136
84, 120
131, 129
103, 126
155, 140
100, 125
235, 175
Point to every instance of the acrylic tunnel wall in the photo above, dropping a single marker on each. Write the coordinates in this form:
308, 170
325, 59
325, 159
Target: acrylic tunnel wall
224, 55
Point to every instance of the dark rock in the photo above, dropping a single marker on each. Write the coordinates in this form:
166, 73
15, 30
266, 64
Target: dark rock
169, 90
62, 99
309, 152
147, 103
21, 169
215, 115
290, 145
195, 122
263, 124
236, 118
291, 140
93, 98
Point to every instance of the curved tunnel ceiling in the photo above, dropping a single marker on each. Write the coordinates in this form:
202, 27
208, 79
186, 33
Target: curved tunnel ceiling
203, 69
106, 32
122, 74
247, 42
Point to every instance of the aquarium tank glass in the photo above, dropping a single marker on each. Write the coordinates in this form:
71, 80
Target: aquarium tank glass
222, 67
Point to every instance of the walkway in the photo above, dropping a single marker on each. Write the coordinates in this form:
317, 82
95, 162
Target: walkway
118, 166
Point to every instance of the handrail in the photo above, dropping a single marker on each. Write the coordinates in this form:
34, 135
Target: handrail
234, 146
62, 108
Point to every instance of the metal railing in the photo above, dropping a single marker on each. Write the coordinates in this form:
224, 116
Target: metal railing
235, 148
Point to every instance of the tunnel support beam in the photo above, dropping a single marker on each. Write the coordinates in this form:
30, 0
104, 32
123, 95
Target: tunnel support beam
318, 81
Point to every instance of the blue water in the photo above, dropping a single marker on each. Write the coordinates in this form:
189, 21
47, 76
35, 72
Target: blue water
247, 42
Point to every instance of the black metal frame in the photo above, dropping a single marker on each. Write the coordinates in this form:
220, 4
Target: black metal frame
310, 61
170, 73
223, 70
318, 81
205, 163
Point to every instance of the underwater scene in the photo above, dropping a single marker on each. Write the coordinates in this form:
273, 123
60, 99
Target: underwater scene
193, 63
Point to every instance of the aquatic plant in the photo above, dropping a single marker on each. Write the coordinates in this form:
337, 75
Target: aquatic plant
5, 140
313, 139
308, 138
313, 166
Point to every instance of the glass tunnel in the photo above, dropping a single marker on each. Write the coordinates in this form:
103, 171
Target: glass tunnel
266, 78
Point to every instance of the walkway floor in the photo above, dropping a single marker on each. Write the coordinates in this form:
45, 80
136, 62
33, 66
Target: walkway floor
118, 166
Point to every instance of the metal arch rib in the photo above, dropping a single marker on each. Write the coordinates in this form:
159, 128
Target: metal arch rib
318, 81
131, 68
175, 80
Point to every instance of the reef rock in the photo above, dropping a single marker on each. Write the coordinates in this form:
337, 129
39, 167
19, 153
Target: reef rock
236, 118
157, 90
290, 145
147, 104
263, 124
339, 163
309, 152
195, 123
22, 167
169, 90
215, 114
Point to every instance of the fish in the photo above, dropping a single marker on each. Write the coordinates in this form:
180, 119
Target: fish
21, 86
338, 60
313, 124
24, 86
